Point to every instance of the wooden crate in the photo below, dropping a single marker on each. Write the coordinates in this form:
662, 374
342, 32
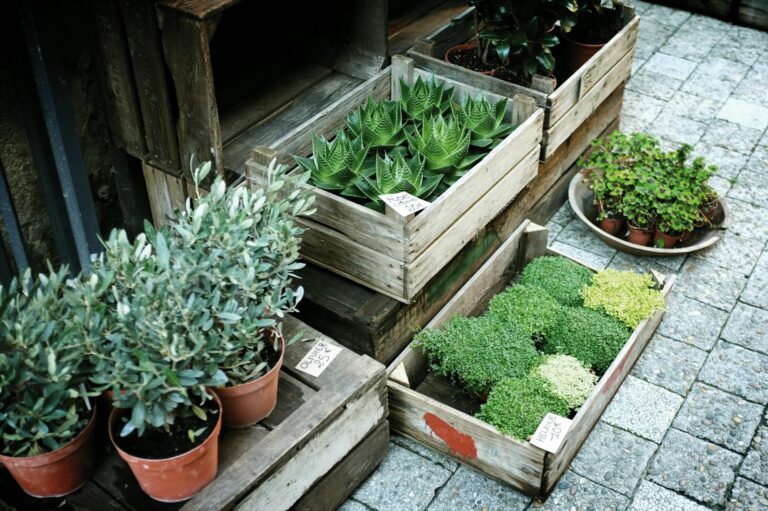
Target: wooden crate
377, 325
397, 255
431, 411
326, 435
567, 106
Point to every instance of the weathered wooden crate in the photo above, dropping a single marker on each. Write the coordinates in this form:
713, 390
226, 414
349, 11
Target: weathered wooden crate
568, 105
326, 435
433, 412
377, 325
392, 254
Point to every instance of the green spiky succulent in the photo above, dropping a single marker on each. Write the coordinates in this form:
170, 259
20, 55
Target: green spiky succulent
424, 98
484, 120
394, 175
377, 123
335, 165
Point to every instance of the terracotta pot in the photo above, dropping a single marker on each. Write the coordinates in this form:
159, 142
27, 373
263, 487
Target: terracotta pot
669, 240
640, 236
575, 54
612, 226
59, 472
712, 212
248, 403
466, 46
180, 477
686, 236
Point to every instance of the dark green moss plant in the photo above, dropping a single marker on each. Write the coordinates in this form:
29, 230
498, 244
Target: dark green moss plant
561, 278
476, 353
531, 308
516, 406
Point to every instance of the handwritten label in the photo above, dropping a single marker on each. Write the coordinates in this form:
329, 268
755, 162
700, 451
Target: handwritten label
404, 203
318, 358
551, 432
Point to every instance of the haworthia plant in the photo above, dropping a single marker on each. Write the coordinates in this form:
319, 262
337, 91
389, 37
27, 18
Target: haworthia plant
377, 123
484, 120
335, 165
394, 175
424, 98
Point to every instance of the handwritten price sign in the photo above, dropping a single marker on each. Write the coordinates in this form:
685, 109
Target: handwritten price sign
404, 203
318, 358
551, 432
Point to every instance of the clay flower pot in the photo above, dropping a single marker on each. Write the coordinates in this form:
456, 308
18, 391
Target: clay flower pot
640, 236
248, 403
178, 478
465, 46
612, 226
574, 53
669, 240
60, 472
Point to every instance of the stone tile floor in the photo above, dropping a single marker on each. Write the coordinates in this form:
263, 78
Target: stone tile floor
688, 430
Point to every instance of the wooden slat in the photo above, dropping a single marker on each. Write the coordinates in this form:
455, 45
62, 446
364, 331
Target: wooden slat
457, 31
402, 35
559, 132
754, 13
577, 85
198, 9
167, 193
151, 86
365, 50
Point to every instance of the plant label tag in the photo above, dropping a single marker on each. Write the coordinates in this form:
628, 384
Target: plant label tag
318, 358
403, 203
551, 432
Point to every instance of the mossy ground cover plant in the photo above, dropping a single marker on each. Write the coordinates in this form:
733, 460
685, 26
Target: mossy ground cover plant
528, 306
628, 296
567, 378
561, 278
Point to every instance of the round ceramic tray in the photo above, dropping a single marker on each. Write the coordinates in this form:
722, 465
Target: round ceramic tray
582, 202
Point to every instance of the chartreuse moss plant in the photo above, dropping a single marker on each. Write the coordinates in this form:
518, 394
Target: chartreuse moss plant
628, 296
562, 278
567, 378
530, 307
516, 406
589, 335
478, 352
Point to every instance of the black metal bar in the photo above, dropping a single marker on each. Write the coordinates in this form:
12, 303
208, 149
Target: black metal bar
12, 227
60, 125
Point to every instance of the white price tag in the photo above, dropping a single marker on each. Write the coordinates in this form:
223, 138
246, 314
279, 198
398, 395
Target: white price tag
318, 358
551, 432
404, 203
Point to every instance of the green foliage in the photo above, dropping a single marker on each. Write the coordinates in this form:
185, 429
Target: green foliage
188, 308
443, 143
628, 296
42, 366
478, 352
567, 378
484, 121
377, 123
516, 406
425, 98
560, 277
591, 336
394, 175
530, 307
336, 165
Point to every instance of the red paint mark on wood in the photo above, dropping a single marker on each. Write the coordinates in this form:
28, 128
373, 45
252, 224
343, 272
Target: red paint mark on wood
459, 443
615, 375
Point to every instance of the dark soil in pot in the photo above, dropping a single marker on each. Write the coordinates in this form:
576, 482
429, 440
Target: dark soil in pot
597, 29
514, 74
157, 444
466, 55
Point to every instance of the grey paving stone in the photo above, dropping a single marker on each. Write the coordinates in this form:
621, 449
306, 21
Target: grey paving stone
721, 185
666, 15
692, 322
652, 497
710, 283
563, 215
692, 107
577, 234
677, 129
748, 496
756, 291
574, 492
404, 481
471, 490
630, 124
691, 44
702, 83
755, 465
654, 84
723, 69
628, 262
758, 160
352, 505
738, 371
588, 258
639, 5
751, 187
746, 113
699, 469
734, 252
731, 136
643, 408
642, 107
553, 229
732, 47
753, 37
698, 22
424, 451
650, 37
671, 66
748, 327
748, 220
752, 89
721, 418
613, 458
670, 364
729, 163
637, 64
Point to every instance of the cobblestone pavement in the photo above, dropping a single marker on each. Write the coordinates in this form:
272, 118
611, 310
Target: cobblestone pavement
688, 430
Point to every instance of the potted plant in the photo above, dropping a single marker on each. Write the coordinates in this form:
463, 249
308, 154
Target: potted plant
676, 219
46, 417
597, 22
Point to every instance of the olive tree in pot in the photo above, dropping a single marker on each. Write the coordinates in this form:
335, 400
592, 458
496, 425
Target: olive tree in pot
46, 417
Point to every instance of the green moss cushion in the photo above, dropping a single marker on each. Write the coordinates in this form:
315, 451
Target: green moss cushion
628, 296
567, 378
528, 306
478, 352
561, 278
516, 406
591, 336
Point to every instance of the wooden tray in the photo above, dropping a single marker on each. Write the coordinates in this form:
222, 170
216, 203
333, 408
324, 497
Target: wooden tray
325, 437
428, 409
392, 254
566, 106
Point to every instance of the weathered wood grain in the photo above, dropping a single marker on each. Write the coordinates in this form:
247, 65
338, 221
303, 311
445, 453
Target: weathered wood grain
166, 192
